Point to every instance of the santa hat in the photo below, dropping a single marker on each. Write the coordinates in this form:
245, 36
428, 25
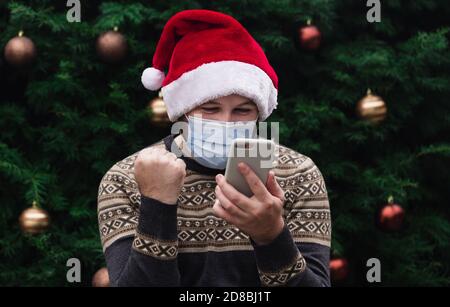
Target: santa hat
209, 55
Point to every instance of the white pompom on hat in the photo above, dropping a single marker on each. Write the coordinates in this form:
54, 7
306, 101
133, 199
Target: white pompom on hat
152, 78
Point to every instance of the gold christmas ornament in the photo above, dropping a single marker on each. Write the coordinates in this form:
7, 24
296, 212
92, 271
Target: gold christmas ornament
371, 108
101, 278
112, 46
20, 51
158, 110
34, 220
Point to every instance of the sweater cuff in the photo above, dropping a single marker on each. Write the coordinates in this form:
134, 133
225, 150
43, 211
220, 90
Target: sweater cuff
279, 261
157, 219
277, 254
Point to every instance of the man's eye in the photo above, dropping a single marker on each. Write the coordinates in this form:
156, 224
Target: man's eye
210, 110
242, 110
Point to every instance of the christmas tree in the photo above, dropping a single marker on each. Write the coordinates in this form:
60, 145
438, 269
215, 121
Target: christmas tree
69, 110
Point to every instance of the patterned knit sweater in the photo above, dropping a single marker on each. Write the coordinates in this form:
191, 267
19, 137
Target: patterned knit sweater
148, 243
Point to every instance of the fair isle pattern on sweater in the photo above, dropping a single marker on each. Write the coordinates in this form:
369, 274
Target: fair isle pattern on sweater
282, 276
306, 210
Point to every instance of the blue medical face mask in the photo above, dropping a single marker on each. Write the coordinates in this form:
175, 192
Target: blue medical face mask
209, 141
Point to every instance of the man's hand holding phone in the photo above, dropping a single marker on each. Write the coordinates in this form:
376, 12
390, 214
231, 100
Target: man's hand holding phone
259, 216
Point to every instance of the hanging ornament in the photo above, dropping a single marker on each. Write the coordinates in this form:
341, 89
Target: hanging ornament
34, 220
101, 278
158, 116
371, 108
20, 51
112, 46
338, 269
309, 36
391, 216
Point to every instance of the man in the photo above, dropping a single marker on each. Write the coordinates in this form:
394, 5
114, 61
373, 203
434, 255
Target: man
174, 221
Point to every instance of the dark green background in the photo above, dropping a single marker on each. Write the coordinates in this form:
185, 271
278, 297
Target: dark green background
69, 117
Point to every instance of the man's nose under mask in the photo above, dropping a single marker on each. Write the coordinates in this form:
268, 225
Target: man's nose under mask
209, 141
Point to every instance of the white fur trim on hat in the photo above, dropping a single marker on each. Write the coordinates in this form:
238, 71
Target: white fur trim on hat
152, 78
217, 79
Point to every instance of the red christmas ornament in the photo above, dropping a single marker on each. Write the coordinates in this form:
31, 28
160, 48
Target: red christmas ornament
338, 269
20, 51
391, 216
112, 46
309, 36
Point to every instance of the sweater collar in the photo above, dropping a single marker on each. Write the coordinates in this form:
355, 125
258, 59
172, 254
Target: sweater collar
191, 164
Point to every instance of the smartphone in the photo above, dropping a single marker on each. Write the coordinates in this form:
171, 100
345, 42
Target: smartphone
258, 154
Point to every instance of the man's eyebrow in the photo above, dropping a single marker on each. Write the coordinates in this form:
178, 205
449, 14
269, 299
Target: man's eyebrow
212, 101
245, 103
241, 104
